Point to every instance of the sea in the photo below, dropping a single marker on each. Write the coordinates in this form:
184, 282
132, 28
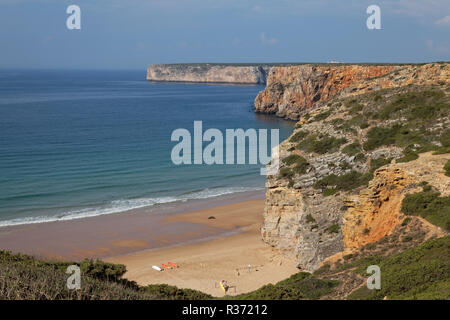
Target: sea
83, 143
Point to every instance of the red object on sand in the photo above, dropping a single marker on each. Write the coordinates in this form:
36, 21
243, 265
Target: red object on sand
165, 266
172, 264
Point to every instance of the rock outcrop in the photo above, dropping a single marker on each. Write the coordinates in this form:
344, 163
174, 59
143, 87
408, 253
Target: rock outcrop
214, 73
376, 211
292, 91
295, 89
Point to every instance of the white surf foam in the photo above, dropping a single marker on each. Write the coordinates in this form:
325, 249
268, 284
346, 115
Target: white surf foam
123, 205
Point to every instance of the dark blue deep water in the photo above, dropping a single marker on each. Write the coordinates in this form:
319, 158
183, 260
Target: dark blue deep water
84, 143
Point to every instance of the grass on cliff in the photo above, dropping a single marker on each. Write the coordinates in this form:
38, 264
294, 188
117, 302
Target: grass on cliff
301, 165
23, 277
297, 287
447, 168
414, 114
333, 183
430, 206
321, 144
418, 273
352, 149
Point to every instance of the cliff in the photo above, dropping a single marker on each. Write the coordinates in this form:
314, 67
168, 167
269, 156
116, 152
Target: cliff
292, 91
359, 148
215, 73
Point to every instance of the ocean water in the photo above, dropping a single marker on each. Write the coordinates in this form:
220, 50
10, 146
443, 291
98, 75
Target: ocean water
84, 143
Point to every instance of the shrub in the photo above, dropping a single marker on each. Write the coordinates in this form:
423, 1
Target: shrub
322, 116
417, 273
174, 293
447, 168
334, 228
337, 121
322, 144
348, 181
378, 162
301, 166
286, 172
310, 219
445, 138
428, 205
299, 286
291, 159
352, 149
408, 156
330, 191
298, 136
397, 135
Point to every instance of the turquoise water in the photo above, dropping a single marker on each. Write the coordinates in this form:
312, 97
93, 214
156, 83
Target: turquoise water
84, 143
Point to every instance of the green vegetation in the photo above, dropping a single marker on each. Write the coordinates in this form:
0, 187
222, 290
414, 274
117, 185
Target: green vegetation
418, 273
291, 159
416, 106
444, 139
360, 157
447, 168
352, 149
398, 135
25, 277
310, 219
286, 172
299, 286
355, 107
377, 163
418, 111
406, 221
408, 156
330, 191
174, 293
301, 165
321, 144
346, 182
442, 150
334, 228
298, 136
430, 206
337, 121
322, 116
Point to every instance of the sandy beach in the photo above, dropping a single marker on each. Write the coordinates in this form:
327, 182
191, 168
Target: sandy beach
205, 249
202, 265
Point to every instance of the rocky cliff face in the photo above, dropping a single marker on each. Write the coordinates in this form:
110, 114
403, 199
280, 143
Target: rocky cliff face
293, 90
251, 74
352, 158
376, 211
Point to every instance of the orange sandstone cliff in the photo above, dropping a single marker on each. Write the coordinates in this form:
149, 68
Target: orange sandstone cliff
334, 193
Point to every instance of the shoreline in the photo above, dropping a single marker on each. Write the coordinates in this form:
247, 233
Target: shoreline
242, 259
205, 249
114, 234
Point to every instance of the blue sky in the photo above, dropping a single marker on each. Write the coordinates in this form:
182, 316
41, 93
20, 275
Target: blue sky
130, 34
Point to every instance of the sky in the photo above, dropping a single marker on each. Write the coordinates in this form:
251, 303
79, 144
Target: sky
130, 34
